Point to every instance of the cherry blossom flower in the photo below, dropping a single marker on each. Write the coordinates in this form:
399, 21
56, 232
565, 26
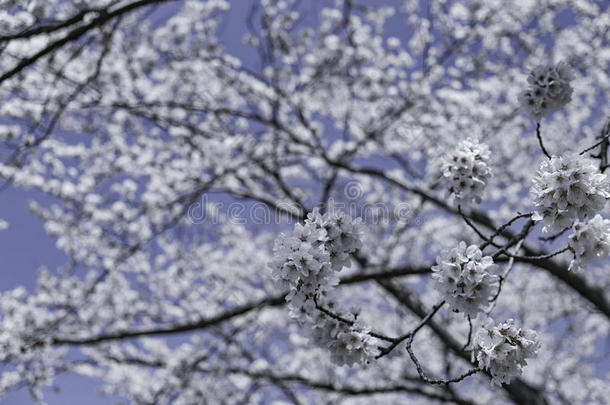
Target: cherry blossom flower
503, 350
306, 264
590, 241
466, 171
465, 278
565, 188
549, 89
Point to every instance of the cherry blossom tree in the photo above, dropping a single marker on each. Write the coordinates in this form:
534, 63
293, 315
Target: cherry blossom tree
362, 202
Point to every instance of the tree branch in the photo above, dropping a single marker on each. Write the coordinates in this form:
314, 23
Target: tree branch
76, 34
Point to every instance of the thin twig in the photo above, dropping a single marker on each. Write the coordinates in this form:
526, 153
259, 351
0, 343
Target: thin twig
553, 237
604, 139
541, 257
521, 236
503, 228
540, 140
429, 380
503, 277
410, 334
471, 225
349, 322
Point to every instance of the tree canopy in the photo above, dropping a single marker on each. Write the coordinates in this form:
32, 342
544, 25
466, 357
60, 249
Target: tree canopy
311, 202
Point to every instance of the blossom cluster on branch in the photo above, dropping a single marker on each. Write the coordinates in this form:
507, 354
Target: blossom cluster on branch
589, 241
568, 187
22, 336
549, 89
465, 278
466, 171
306, 264
503, 349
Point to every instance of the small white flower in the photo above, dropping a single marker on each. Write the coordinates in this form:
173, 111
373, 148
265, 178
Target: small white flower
590, 241
466, 171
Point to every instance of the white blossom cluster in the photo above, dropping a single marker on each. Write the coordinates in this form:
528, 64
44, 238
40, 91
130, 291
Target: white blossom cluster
549, 89
348, 344
24, 344
589, 241
306, 264
504, 349
466, 171
565, 188
20, 322
465, 278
